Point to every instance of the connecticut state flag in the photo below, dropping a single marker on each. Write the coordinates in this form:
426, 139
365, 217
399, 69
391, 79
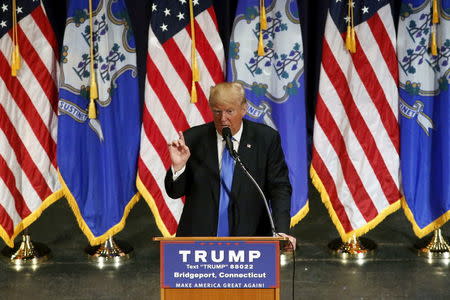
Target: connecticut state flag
99, 116
424, 66
268, 61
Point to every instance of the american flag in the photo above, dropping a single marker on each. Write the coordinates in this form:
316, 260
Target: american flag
167, 95
355, 163
28, 105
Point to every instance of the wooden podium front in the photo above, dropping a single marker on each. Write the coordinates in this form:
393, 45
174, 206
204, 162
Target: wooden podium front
213, 268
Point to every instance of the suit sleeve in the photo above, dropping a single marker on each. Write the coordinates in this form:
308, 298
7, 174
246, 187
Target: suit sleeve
175, 188
279, 188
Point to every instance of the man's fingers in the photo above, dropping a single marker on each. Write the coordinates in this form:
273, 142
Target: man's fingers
179, 145
180, 134
292, 240
173, 144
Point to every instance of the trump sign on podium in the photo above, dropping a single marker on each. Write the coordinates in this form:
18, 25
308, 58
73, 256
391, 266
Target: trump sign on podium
220, 264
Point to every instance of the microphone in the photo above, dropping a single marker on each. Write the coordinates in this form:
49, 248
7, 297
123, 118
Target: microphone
226, 134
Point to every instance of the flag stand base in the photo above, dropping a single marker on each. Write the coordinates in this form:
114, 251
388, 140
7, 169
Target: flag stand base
27, 253
355, 248
437, 248
110, 252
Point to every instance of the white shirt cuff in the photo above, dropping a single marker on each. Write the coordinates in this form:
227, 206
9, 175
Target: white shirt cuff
177, 174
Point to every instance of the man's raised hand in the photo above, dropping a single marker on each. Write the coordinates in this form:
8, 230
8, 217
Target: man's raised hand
179, 152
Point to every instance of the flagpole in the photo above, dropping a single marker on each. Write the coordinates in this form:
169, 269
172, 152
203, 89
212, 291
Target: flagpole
26, 253
356, 248
111, 252
437, 248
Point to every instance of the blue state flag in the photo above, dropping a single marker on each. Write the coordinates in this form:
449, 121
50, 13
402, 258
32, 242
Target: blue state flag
425, 110
274, 81
98, 140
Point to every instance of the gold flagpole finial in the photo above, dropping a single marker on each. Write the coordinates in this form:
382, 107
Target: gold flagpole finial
194, 65
93, 90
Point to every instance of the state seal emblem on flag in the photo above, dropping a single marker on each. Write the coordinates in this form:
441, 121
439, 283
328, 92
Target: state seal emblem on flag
111, 60
282, 63
417, 63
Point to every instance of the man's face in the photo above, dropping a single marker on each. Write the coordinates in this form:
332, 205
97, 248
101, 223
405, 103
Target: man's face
229, 115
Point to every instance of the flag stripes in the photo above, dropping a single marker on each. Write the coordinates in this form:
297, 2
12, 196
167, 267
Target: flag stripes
28, 103
358, 123
379, 32
34, 113
41, 21
355, 162
9, 179
23, 156
180, 64
37, 67
335, 206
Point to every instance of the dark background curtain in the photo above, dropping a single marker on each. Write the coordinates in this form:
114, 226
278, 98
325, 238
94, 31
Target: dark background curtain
312, 17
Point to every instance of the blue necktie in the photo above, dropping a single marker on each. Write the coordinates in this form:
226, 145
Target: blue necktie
226, 180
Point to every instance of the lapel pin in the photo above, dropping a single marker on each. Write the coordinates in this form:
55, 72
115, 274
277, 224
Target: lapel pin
249, 146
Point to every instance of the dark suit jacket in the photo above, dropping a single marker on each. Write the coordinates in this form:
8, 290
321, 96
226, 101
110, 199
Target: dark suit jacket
260, 150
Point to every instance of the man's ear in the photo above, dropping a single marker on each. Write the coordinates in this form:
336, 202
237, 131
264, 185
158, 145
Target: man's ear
244, 109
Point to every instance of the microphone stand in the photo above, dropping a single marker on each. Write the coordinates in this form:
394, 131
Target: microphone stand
238, 160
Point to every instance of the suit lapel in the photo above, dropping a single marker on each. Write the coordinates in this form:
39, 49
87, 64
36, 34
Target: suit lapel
246, 152
212, 162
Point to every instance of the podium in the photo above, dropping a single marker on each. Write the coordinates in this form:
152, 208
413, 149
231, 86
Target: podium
219, 268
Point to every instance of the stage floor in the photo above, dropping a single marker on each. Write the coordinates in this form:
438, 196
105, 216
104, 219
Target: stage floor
394, 272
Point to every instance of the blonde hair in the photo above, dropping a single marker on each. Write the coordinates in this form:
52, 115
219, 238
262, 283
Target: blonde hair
227, 93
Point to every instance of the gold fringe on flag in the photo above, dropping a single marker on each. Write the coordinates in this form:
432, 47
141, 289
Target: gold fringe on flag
262, 26
350, 38
93, 91
15, 53
194, 65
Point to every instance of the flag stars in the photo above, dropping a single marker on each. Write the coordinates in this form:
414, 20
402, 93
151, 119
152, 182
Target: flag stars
154, 7
182, 1
180, 16
347, 19
4, 7
365, 10
195, 2
167, 12
163, 27
19, 10
3, 23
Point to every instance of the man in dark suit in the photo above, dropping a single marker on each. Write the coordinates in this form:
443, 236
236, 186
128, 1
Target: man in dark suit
195, 172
